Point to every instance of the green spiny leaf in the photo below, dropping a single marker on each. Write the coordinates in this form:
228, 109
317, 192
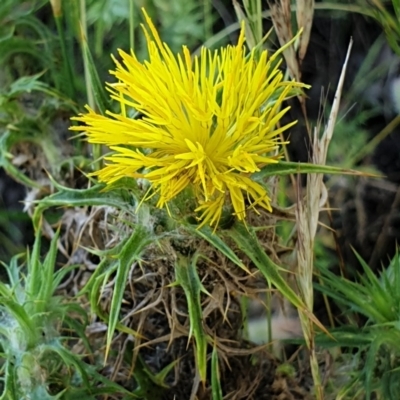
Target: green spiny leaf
130, 253
148, 387
102, 268
23, 319
45, 291
187, 277
9, 390
248, 242
207, 234
287, 168
94, 196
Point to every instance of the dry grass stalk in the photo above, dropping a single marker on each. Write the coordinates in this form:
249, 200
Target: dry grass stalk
304, 15
281, 19
307, 216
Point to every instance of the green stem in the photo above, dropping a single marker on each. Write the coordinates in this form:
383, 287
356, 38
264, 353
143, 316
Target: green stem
96, 148
132, 25
207, 19
70, 86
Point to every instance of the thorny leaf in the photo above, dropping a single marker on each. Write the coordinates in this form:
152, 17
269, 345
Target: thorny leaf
187, 277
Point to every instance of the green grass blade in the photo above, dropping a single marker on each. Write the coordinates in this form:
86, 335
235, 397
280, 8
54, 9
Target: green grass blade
99, 93
68, 82
351, 337
216, 389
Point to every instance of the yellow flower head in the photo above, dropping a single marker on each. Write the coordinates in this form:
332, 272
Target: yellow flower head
207, 122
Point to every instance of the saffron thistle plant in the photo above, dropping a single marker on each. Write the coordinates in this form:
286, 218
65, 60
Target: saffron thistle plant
207, 123
35, 358
375, 370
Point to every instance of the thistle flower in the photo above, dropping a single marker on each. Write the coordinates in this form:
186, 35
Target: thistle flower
207, 122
